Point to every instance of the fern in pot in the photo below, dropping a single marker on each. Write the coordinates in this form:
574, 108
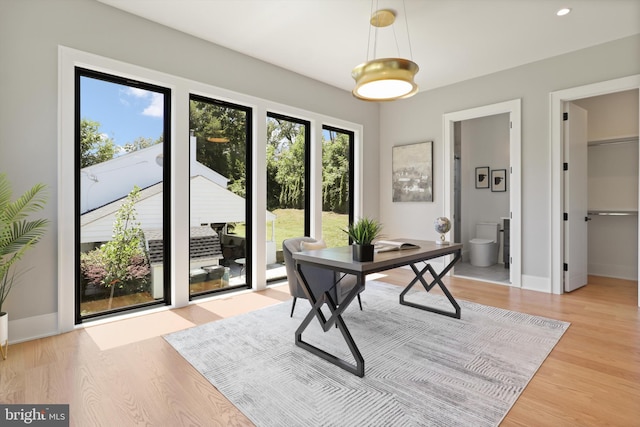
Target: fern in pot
17, 235
363, 232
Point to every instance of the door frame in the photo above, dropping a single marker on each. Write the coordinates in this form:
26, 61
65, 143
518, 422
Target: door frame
556, 141
513, 108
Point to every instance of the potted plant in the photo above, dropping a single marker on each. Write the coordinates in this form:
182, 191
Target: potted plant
17, 235
363, 232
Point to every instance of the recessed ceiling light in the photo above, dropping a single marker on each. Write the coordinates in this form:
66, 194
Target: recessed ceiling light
564, 11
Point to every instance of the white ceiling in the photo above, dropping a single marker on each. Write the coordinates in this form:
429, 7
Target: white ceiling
451, 40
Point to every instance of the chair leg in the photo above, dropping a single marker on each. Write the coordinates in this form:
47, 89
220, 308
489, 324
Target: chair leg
294, 305
360, 302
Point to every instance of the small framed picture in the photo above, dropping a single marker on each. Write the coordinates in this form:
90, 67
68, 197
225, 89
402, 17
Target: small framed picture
482, 177
499, 180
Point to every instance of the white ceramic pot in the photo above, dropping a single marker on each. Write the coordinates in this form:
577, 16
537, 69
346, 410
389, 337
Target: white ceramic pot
4, 334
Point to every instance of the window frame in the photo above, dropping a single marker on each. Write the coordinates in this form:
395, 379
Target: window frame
307, 164
248, 192
79, 73
352, 164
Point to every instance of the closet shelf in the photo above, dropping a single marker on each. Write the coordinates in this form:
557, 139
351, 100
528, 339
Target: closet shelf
612, 213
625, 140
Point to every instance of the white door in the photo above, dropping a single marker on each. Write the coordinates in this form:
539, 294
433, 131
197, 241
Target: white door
575, 197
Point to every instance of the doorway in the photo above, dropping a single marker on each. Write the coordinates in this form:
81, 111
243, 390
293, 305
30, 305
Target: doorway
558, 101
482, 192
512, 174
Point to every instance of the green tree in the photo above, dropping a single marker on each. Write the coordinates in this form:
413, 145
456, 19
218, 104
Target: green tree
121, 263
141, 142
335, 173
281, 137
94, 147
221, 141
290, 174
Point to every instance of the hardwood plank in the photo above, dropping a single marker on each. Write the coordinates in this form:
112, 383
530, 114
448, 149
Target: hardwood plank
591, 378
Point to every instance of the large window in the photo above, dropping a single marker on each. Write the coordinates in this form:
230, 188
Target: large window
122, 139
128, 216
288, 158
337, 184
220, 202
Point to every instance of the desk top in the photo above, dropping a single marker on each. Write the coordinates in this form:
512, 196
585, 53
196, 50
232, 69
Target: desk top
341, 258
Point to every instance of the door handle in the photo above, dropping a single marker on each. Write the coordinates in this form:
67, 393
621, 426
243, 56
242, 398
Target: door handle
586, 218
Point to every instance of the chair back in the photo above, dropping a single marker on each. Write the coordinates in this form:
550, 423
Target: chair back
289, 246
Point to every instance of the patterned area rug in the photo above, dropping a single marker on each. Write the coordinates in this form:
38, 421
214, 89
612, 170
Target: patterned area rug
421, 369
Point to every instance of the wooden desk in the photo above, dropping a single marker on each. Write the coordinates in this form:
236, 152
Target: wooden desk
341, 260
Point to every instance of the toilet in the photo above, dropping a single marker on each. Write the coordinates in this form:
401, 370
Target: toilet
484, 247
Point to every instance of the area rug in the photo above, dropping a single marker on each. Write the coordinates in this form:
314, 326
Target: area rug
421, 368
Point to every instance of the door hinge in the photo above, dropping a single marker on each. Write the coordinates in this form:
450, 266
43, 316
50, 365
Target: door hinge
566, 267
511, 125
565, 216
565, 166
565, 116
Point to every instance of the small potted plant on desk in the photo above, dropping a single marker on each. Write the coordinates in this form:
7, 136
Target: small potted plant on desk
363, 232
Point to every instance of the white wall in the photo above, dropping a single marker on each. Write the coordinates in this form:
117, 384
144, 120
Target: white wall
420, 118
30, 33
611, 116
485, 142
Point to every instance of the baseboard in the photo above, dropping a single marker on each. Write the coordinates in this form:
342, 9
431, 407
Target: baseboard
31, 328
615, 271
536, 283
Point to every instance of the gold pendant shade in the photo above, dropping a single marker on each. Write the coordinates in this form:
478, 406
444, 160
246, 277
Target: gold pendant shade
385, 79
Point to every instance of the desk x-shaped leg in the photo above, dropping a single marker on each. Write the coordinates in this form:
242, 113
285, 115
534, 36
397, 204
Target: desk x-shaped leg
335, 318
437, 280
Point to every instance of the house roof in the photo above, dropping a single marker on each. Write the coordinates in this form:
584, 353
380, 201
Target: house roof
204, 243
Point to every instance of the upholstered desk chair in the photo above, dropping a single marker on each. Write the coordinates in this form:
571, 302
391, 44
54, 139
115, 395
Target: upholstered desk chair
319, 279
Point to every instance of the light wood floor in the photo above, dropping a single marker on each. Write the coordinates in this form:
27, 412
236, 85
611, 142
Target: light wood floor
110, 377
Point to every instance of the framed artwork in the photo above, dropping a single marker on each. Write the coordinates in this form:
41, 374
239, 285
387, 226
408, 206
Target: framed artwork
482, 177
412, 172
499, 180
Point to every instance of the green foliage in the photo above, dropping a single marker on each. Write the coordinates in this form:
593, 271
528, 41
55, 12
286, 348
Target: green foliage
121, 262
94, 147
364, 231
141, 142
285, 154
208, 120
285, 164
335, 173
17, 233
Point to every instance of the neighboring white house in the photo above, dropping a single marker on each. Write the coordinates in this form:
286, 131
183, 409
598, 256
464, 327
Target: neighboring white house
105, 186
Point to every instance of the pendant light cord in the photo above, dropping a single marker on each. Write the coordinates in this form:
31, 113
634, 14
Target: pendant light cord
406, 23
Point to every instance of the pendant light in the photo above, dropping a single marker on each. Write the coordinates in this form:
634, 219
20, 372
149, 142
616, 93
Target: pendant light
385, 79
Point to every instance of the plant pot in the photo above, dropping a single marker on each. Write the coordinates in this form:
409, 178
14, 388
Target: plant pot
4, 334
362, 253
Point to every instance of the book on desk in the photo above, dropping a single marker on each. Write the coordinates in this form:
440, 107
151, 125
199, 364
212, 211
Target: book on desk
393, 245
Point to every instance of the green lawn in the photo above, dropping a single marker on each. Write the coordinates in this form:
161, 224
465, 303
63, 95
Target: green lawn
290, 223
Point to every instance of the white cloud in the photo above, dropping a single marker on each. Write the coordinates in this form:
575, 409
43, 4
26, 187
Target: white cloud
138, 93
156, 108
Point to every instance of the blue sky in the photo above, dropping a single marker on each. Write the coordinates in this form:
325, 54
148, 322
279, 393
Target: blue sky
124, 113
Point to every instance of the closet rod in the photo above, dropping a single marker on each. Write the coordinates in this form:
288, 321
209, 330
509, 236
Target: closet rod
612, 213
613, 141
